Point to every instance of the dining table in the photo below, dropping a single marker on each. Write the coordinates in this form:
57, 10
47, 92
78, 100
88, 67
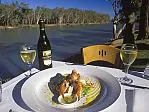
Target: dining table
131, 99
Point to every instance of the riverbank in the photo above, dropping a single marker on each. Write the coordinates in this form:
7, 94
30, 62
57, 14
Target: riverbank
143, 52
62, 39
48, 25
139, 64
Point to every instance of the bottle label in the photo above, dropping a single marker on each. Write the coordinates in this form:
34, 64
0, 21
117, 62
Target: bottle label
47, 60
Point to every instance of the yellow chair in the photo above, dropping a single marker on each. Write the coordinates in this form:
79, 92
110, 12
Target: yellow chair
104, 53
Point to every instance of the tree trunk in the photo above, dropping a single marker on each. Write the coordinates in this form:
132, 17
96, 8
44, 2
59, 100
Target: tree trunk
148, 20
114, 30
143, 20
128, 35
60, 19
128, 12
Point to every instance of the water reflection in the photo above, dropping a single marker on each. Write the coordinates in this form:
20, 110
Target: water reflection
65, 42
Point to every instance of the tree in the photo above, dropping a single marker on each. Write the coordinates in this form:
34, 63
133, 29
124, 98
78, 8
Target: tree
143, 22
38, 13
18, 13
127, 13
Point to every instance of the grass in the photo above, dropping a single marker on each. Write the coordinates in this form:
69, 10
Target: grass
143, 54
141, 61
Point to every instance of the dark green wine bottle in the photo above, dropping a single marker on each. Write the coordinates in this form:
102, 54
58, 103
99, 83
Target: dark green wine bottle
44, 48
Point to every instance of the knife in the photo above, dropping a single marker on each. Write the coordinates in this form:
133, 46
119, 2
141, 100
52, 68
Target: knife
129, 99
135, 86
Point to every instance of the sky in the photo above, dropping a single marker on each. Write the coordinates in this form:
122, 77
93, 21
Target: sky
100, 6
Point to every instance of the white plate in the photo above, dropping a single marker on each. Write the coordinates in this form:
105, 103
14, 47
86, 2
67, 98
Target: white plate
35, 90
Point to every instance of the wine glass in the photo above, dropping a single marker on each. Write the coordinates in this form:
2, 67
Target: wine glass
0, 90
146, 71
128, 54
28, 55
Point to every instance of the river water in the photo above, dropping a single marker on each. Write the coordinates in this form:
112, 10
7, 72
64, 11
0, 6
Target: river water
65, 42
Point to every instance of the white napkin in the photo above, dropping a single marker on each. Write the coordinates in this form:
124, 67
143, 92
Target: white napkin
141, 99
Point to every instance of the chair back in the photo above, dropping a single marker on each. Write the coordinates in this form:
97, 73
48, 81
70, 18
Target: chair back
106, 53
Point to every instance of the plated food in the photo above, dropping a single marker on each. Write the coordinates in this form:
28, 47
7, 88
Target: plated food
84, 89
40, 92
73, 85
67, 99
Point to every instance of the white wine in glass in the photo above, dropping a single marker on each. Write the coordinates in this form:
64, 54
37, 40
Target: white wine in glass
28, 55
128, 54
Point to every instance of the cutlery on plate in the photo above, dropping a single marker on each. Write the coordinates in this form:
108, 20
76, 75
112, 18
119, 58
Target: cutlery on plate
135, 86
31, 74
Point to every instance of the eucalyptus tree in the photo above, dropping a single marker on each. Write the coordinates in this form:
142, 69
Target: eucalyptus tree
70, 16
2, 14
128, 13
143, 21
59, 14
47, 15
67, 16
8, 11
77, 16
18, 13
38, 13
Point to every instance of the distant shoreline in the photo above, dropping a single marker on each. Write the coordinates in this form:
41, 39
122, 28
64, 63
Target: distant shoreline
36, 25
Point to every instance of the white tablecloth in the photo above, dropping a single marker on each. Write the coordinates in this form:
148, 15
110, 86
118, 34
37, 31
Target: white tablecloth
10, 100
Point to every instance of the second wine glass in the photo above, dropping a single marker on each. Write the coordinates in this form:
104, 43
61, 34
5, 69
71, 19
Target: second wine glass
128, 54
28, 55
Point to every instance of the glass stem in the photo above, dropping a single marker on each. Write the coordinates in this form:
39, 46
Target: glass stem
126, 68
30, 69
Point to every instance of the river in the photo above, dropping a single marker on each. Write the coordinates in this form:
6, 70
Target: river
65, 42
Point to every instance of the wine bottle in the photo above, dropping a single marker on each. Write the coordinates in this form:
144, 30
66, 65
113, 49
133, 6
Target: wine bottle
44, 48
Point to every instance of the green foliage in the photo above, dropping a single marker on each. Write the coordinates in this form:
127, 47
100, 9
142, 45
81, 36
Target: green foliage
85, 90
18, 13
130, 14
